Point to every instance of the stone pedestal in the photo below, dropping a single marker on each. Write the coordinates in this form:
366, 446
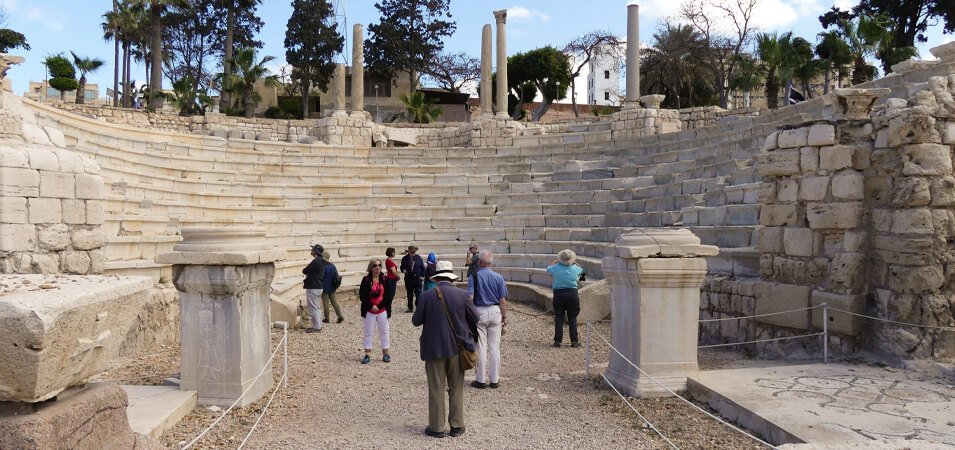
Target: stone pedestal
223, 276
655, 281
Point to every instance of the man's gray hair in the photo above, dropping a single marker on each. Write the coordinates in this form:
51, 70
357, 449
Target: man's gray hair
486, 257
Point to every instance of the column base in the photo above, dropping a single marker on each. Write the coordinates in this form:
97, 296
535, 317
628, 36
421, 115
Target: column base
223, 395
635, 384
340, 114
502, 116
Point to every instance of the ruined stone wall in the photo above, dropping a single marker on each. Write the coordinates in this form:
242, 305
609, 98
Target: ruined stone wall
705, 116
433, 135
629, 123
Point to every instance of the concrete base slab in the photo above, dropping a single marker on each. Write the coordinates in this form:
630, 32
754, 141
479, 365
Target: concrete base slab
154, 409
832, 405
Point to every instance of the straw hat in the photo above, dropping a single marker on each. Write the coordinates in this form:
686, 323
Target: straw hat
445, 270
567, 256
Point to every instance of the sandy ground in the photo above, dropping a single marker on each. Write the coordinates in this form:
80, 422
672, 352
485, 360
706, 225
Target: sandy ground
545, 401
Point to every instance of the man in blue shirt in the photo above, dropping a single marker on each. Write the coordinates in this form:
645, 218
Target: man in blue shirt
565, 273
488, 291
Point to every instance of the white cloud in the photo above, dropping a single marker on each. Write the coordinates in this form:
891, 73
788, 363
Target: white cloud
658, 9
783, 14
846, 4
52, 20
520, 12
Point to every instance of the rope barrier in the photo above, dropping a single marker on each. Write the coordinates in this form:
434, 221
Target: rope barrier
282, 382
762, 340
762, 315
601, 336
934, 327
651, 425
267, 365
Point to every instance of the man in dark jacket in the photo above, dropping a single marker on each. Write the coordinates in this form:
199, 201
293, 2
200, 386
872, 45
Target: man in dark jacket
439, 348
313, 284
332, 280
413, 267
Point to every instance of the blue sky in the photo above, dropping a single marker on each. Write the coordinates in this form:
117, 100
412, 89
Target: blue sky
54, 26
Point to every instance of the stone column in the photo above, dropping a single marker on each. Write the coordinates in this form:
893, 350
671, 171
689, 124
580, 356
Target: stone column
633, 53
339, 80
500, 17
655, 281
486, 103
223, 276
358, 72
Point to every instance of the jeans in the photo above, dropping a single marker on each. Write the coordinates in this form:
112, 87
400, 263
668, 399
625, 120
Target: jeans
313, 298
566, 302
489, 343
379, 321
413, 287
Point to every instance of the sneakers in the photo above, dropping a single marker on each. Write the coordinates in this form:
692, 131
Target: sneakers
434, 434
494, 385
575, 344
312, 330
386, 358
366, 359
340, 320
475, 384
455, 432
556, 344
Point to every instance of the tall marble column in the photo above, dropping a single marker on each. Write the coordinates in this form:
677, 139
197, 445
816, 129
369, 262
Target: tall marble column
655, 278
500, 17
358, 71
223, 275
633, 53
486, 102
339, 80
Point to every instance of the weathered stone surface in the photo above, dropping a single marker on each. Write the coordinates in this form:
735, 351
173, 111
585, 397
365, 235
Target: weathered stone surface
54, 237
845, 270
778, 163
89, 187
834, 215
44, 210
778, 215
84, 239
914, 191
56, 338
839, 322
777, 297
17, 182
926, 159
916, 279
14, 210
798, 241
835, 157
821, 134
809, 159
795, 138
17, 237
56, 184
813, 188
771, 239
77, 263
92, 418
788, 190
912, 221
74, 212
848, 185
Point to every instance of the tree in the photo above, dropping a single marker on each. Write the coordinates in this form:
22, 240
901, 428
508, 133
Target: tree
240, 19
10, 39
726, 28
866, 36
547, 69
247, 72
408, 37
418, 109
797, 64
189, 100
593, 46
452, 71
85, 66
772, 54
675, 65
311, 42
834, 55
62, 74
125, 26
749, 76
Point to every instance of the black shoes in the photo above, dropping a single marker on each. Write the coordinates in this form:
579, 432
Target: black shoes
340, 320
556, 344
494, 385
312, 330
435, 434
475, 384
455, 432
325, 320
575, 344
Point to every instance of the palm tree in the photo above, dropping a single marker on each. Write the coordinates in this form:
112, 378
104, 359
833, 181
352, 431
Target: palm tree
748, 76
797, 61
85, 66
124, 26
769, 47
834, 55
418, 109
673, 66
868, 36
246, 72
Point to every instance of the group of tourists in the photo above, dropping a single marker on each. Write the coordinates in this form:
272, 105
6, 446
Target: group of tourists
456, 323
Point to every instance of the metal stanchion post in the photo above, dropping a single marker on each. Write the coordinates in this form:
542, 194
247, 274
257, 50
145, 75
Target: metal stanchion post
285, 354
587, 352
825, 333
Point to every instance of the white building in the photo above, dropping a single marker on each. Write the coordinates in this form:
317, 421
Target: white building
603, 79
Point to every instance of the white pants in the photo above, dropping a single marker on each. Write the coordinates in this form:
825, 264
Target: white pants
379, 321
314, 302
489, 341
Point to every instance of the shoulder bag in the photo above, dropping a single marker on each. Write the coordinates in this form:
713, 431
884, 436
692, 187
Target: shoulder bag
467, 358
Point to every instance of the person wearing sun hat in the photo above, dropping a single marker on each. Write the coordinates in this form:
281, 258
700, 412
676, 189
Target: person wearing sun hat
314, 283
439, 348
413, 268
565, 273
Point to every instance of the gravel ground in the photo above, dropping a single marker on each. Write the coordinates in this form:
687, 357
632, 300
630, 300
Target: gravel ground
332, 401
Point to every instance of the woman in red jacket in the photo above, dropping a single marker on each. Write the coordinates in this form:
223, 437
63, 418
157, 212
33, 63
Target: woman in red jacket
375, 309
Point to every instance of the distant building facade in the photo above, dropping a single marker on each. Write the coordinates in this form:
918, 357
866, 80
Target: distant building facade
42, 91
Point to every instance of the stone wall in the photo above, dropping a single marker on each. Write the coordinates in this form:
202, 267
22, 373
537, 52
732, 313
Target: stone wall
441, 134
705, 116
51, 200
632, 122
489, 132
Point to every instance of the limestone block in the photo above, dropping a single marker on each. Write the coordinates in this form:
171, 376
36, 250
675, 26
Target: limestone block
45, 263
948, 134
14, 157
55, 136
798, 241
778, 163
796, 138
839, 322
788, 190
43, 158
852, 241
809, 159
74, 212
943, 191
835, 157
69, 161
912, 129
910, 250
771, 239
778, 215
912, 221
89, 187
92, 417
778, 297
916, 279
97, 262
813, 188
848, 185
17, 182
55, 237
56, 184
841, 215
94, 212
926, 159
14, 210
771, 142
915, 191
822, 134
84, 239
845, 270
44, 210
17, 237
57, 338
75, 262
